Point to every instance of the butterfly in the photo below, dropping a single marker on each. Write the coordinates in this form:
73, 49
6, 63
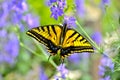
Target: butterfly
61, 39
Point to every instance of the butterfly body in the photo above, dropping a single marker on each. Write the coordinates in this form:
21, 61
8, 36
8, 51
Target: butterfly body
60, 39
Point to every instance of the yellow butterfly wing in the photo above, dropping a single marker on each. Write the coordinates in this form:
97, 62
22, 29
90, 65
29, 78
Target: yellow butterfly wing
48, 35
75, 42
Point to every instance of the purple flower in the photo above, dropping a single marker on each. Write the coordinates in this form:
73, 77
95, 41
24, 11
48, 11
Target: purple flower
56, 77
3, 33
56, 12
106, 78
63, 72
75, 58
80, 7
42, 75
32, 21
70, 21
1, 12
10, 48
4, 12
97, 37
52, 1
16, 4
13, 13
61, 3
57, 8
106, 66
105, 2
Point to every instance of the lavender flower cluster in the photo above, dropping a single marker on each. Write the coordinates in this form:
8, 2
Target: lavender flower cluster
106, 66
12, 13
57, 9
9, 47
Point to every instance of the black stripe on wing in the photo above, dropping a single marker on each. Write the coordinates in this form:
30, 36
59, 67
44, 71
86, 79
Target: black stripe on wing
53, 28
70, 50
72, 35
48, 30
52, 48
37, 36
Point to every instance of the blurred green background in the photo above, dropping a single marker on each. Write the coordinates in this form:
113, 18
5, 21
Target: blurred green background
23, 58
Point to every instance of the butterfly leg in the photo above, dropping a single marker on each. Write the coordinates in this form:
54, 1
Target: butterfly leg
49, 57
61, 60
52, 54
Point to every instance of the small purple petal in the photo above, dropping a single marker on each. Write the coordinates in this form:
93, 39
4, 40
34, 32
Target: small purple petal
56, 12
106, 62
3, 33
56, 77
33, 21
10, 49
13, 13
57, 9
107, 78
24, 6
101, 71
70, 21
4, 14
18, 4
80, 7
62, 3
97, 37
8, 59
63, 71
52, 1
105, 2
42, 75
1, 12
75, 58
16, 17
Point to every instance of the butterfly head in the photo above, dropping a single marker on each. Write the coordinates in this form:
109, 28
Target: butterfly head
63, 53
59, 52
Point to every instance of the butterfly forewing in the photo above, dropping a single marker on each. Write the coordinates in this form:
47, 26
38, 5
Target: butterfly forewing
48, 35
50, 32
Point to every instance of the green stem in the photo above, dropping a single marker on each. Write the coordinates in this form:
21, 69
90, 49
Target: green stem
22, 45
30, 50
111, 22
94, 44
46, 56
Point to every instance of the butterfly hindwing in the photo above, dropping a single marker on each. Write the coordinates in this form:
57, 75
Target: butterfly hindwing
75, 42
47, 35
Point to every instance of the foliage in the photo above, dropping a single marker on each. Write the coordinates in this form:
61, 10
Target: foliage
22, 58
